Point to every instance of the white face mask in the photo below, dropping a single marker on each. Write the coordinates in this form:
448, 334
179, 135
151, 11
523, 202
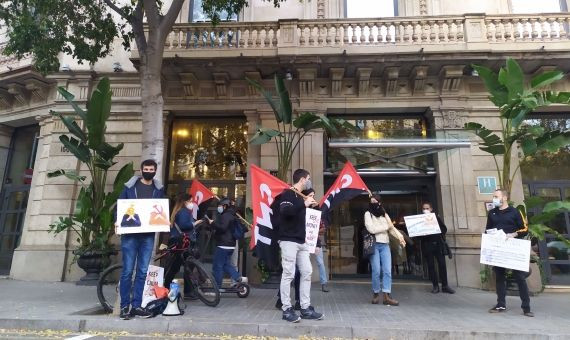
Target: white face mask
497, 202
427, 211
220, 210
190, 206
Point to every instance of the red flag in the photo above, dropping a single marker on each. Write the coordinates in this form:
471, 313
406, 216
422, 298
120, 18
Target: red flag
347, 185
264, 189
200, 194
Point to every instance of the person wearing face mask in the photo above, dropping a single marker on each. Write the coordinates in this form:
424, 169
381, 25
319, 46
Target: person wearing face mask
183, 222
137, 248
378, 223
432, 248
291, 210
225, 244
508, 219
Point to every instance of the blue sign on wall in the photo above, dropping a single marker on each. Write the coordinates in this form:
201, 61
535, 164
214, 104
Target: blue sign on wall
487, 184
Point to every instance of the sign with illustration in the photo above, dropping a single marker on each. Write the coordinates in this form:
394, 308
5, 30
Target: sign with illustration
142, 216
421, 225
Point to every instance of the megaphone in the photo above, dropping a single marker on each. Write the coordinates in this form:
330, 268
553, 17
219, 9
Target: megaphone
173, 297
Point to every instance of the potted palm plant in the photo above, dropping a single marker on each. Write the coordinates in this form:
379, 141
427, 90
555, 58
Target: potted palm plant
92, 220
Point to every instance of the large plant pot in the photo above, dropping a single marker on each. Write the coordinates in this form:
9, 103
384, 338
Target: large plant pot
93, 263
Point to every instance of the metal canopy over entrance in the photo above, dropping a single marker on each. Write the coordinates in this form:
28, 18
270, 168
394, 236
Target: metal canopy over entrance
398, 159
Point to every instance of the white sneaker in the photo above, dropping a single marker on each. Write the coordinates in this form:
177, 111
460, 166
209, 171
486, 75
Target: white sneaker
243, 279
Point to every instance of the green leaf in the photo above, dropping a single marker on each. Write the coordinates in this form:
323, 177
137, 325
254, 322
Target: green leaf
109, 152
304, 120
537, 230
545, 79
494, 150
77, 148
268, 98
528, 145
71, 174
536, 130
512, 77
72, 126
533, 202
492, 143
552, 141
556, 206
70, 99
285, 109
263, 135
98, 111
499, 93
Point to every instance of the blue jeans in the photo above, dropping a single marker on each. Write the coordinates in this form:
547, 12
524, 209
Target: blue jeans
381, 260
322, 268
136, 248
223, 263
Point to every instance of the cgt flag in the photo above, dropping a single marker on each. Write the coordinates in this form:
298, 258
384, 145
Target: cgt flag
200, 194
346, 186
264, 189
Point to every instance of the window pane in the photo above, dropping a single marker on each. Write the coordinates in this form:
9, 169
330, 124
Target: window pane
199, 15
208, 149
533, 6
369, 8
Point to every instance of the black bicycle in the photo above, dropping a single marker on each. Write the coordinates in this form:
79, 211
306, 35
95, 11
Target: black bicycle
202, 283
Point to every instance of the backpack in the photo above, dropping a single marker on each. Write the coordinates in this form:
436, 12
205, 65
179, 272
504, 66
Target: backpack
238, 230
157, 306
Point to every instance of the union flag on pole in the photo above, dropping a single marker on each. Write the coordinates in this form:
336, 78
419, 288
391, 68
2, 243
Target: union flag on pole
264, 189
200, 194
347, 185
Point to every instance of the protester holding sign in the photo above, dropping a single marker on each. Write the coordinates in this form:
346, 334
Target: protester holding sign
510, 221
137, 248
433, 248
319, 249
294, 251
378, 223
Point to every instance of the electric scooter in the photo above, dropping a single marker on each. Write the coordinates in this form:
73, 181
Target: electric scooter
242, 289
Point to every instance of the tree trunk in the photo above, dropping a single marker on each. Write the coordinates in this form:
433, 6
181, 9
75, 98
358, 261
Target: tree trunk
152, 105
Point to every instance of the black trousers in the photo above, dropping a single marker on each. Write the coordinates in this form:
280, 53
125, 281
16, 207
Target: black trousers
501, 281
433, 252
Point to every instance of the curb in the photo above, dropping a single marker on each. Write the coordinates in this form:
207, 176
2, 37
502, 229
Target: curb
325, 330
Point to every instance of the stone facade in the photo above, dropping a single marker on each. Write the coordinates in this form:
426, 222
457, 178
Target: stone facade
416, 62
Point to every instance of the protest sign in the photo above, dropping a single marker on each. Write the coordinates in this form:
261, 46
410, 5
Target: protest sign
142, 216
510, 253
312, 224
421, 225
154, 278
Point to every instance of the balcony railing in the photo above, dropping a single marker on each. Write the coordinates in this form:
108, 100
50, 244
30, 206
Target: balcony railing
375, 35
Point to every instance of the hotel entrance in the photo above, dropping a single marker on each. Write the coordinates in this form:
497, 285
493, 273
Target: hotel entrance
400, 197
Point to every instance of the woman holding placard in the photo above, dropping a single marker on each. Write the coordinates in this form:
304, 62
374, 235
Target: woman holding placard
378, 223
432, 248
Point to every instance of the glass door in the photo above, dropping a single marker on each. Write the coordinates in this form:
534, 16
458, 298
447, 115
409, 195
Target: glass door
554, 253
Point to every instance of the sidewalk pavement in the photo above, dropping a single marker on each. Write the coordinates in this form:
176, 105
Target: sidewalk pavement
347, 309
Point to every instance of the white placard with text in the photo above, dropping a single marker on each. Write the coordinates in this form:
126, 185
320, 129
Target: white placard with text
312, 224
510, 253
421, 225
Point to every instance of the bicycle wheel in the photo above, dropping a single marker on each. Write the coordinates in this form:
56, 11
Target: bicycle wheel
108, 287
202, 282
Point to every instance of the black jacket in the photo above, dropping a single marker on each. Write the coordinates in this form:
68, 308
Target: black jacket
509, 220
290, 217
436, 238
224, 229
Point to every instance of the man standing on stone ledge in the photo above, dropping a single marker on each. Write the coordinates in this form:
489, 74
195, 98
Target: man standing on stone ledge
509, 220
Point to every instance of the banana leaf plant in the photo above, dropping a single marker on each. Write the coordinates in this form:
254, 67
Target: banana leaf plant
291, 128
515, 101
92, 220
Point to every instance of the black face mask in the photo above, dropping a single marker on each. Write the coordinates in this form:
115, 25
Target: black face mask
376, 209
148, 175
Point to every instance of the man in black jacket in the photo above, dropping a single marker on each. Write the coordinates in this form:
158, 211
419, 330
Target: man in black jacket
294, 251
432, 248
225, 244
509, 220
